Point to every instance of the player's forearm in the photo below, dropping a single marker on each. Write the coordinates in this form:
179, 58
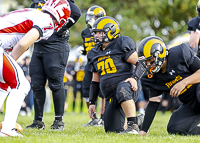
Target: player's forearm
194, 39
149, 115
18, 50
193, 79
94, 91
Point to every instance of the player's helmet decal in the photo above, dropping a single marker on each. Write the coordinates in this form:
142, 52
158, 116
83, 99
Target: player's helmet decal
60, 9
150, 47
109, 26
93, 13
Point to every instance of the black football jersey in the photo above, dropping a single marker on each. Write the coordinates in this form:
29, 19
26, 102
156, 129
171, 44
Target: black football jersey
111, 63
88, 42
179, 61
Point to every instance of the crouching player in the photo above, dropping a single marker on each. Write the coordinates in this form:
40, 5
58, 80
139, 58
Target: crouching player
175, 71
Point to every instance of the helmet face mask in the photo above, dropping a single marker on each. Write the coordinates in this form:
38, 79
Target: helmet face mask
60, 10
109, 26
152, 47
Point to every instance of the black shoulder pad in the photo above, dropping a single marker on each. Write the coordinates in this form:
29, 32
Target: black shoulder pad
128, 44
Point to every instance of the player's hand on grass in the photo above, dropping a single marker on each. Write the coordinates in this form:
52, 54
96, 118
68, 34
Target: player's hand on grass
143, 133
91, 111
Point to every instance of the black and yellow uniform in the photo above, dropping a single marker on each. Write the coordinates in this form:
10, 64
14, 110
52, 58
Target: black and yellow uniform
181, 63
48, 62
77, 83
194, 24
113, 69
88, 44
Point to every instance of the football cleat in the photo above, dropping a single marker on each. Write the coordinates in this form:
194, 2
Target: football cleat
11, 133
100, 122
57, 125
36, 125
93, 122
17, 127
132, 128
140, 119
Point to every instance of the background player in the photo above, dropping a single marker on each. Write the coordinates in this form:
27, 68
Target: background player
194, 27
48, 62
93, 13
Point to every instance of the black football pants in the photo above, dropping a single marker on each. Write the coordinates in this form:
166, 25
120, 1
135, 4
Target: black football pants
51, 67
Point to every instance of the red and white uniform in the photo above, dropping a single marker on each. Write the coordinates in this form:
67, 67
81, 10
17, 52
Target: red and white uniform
13, 26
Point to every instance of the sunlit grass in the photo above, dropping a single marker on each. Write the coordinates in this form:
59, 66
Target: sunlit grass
75, 132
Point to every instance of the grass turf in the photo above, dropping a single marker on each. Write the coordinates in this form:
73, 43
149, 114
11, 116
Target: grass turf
75, 132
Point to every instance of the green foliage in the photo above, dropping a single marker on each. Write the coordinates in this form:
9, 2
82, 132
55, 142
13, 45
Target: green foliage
139, 18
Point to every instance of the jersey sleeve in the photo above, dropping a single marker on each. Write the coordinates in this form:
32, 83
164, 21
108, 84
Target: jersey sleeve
193, 24
192, 62
128, 46
188, 55
44, 24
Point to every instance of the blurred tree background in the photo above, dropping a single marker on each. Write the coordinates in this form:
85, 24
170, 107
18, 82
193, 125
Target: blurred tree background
138, 18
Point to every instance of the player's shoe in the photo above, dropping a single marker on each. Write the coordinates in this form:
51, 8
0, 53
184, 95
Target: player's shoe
132, 128
100, 122
93, 122
36, 125
11, 133
57, 125
140, 119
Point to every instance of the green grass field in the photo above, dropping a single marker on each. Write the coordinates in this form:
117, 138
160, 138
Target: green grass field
75, 132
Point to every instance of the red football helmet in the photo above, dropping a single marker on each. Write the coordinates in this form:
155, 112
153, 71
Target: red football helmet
60, 9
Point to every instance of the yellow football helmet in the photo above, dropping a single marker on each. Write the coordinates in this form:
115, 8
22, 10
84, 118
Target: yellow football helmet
150, 47
93, 13
109, 26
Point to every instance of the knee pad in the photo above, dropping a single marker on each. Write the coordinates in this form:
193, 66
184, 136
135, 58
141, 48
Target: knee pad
124, 92
55, 84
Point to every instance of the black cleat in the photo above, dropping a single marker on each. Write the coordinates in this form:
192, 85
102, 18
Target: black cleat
57, 125
100, 122
132, 128
36, 125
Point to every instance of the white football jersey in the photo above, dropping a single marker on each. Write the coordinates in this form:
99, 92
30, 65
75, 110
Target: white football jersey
14, 25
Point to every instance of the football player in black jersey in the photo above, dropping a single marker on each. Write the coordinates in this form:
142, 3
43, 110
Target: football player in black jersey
194, 27
92, 14
48, 61
113, 60
175, 71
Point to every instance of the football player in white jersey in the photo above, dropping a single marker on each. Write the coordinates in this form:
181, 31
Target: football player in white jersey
18, 30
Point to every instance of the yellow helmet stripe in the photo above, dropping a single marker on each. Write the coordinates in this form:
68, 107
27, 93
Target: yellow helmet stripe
98, 9
105, 21
149, 44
